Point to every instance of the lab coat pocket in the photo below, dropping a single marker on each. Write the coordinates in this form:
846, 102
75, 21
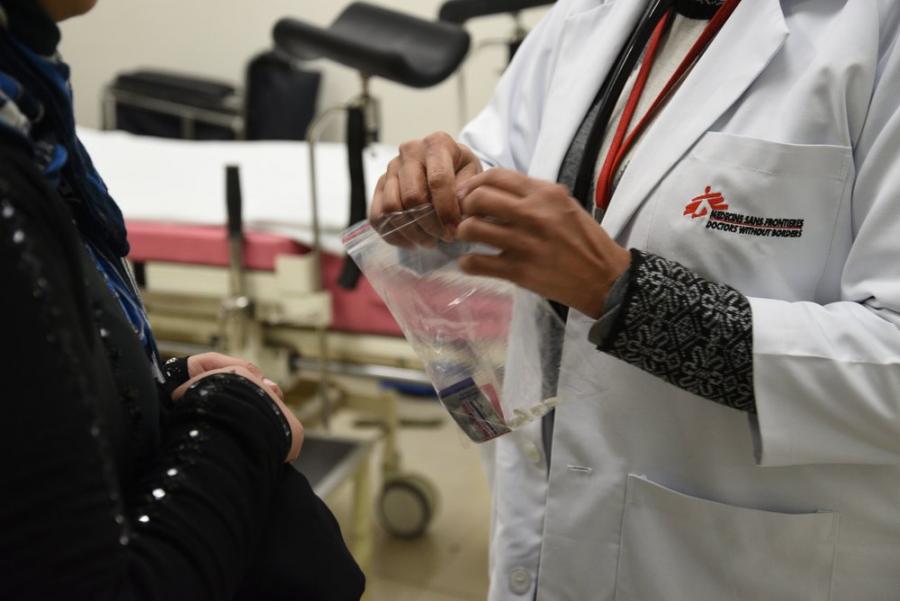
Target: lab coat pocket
677, 547
756, 214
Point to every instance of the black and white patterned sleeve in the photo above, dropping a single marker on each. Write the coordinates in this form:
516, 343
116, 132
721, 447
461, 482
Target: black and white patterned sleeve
689, 331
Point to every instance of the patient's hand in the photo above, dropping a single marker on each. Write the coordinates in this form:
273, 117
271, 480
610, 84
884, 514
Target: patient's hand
206, 362
426, 171
240, 370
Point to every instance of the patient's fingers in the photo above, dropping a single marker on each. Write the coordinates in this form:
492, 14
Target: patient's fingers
274, 388
231, 369
204, 362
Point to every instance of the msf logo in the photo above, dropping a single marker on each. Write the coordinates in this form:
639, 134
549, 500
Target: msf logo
701, 205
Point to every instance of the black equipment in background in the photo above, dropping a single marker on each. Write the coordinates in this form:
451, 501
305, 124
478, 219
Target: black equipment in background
356, 143
279, 102
236, 308
172, 105
281, 98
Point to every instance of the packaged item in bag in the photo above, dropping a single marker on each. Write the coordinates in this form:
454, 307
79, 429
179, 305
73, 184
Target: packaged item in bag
466, 330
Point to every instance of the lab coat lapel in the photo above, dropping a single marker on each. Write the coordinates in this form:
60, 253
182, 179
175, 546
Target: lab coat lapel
590, 42
733, 60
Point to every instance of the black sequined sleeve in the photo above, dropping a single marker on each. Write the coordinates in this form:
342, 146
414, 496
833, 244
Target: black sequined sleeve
685, 329
175, 371
183, 527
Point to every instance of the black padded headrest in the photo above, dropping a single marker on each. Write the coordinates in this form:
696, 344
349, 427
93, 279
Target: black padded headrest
460, 11
380, 42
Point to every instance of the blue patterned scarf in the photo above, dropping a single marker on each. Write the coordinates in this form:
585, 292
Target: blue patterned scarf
36, 110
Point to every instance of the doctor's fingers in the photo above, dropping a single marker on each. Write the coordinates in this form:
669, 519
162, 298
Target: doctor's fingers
399, 222
500, 236
443, 159
427, 172
412, 184
387, 194
498, 205
414, 192
407, 222
508, 180
396, 224
379, 219
503, 266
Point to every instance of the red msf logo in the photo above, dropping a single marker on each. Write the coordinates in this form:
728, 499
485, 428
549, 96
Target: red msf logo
698, 205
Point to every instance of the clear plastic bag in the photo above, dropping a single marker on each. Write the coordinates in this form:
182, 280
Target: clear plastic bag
468, 331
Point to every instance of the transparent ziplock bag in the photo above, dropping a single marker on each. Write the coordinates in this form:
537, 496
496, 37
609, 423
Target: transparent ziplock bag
490, 349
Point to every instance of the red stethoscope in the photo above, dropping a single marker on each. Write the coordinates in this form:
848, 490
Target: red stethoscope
624, 139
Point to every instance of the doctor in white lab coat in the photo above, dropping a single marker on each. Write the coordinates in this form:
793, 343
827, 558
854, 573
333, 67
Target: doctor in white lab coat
730, 385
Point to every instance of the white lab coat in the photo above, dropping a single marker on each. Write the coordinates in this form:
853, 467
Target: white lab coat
655, 494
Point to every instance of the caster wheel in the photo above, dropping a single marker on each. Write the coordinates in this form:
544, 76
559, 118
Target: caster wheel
407, 505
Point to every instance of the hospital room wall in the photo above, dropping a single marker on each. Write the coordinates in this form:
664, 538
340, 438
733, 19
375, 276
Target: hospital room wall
216, 38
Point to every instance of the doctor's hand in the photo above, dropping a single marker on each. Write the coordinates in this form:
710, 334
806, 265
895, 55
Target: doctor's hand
549, 244
426, 171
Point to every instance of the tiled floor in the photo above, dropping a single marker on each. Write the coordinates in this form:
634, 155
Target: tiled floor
450, 562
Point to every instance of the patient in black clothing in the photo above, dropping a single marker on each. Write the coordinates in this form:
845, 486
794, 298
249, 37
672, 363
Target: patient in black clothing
120, 477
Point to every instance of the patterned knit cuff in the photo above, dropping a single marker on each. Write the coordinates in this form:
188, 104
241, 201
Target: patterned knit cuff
692, 333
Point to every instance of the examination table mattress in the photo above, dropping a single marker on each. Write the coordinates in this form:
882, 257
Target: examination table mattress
358, 311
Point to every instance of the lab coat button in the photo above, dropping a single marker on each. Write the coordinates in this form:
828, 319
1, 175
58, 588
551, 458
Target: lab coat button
519, 581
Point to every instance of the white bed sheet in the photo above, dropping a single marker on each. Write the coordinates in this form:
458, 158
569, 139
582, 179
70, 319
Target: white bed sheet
183, 182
